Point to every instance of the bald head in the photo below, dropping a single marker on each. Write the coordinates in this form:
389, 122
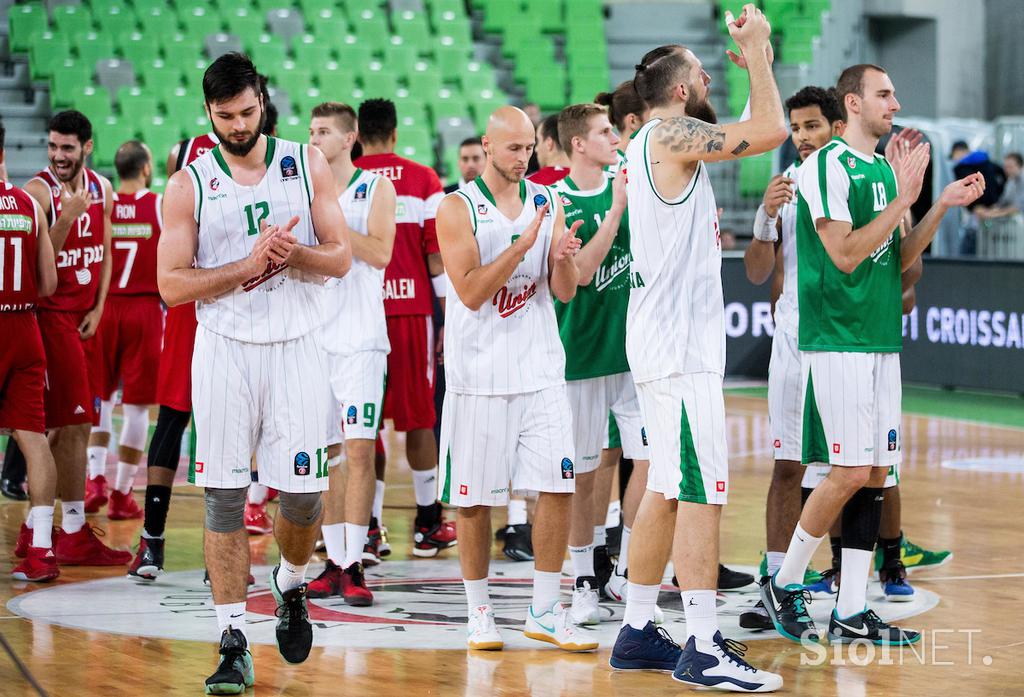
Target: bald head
509, 142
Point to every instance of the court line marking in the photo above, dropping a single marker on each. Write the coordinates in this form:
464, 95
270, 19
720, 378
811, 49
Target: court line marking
968, 578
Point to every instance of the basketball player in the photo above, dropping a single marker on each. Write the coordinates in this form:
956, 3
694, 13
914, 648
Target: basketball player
593, 328
356, 340
627, 112
27, 273
260, 218
675, 342
851, 202
506, 416
78, 203
554, 162
415, 266
130, 332
471, 163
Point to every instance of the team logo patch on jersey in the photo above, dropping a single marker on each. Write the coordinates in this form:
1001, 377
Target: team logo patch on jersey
567, 472
301, 463
214, 184
512, 298
289, 170
851, 161
481, 208
360, 193
566, 201
351, 416
892, 439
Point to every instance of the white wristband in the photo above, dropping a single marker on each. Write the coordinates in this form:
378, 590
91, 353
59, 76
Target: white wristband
764, 227
440, 283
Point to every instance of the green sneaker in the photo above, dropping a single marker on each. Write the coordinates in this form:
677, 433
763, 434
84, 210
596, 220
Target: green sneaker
811, 576
235, 672
915, 558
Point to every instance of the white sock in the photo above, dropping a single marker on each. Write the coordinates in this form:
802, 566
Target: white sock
623, 563
231, 615
290, 575
517, 512
701, 614
73, 516
600, 536
798, 556
477, 593
97, 461
424, 484
582, 560
355, 540
334, 538
774, 561
546, 586
378, 502
257, 494
854, 588
125, 477
40, 520
640, 602
614, 514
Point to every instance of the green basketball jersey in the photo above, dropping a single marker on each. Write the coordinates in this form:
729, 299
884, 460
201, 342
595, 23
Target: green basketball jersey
593, 324
860, 311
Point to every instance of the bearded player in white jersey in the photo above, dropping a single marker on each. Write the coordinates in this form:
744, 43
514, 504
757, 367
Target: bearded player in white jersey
271, 230
356, 339
675, 342
507, 422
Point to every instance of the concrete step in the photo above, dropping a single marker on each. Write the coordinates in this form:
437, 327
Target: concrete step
654, 21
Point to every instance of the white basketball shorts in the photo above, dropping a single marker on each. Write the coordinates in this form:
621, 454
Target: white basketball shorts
357, 384
591, 401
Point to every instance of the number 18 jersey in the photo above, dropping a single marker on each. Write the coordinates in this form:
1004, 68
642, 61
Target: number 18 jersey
281, 303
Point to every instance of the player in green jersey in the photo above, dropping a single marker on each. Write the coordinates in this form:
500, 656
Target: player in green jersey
852, 249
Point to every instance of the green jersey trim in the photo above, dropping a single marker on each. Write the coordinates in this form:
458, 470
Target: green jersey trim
267, 159
355, 175
471, 209
490, 197
305, 179
650, 178
271, 146
199, 191
574, 188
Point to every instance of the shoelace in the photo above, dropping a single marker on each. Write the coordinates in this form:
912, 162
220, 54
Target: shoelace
799, 601
357, 577
734, 651
294, 606
665, 639
874, 622
895, 573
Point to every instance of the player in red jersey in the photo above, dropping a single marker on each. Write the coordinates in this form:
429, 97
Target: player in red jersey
554, 163
409, 399
130, 333
78, 203
27, 273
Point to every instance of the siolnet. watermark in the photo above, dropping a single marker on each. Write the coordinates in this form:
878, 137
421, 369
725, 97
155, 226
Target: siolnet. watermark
937, 647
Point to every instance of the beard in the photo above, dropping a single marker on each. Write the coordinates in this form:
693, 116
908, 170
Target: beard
241, 149
700, 108
76, 170
508, 175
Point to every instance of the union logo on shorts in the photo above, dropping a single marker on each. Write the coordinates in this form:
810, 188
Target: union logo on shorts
350, 415
778, 443
463, 489
720, 486
199, 467
288, 168
567, 468
892, 439
835, 448
301, 463
643, 434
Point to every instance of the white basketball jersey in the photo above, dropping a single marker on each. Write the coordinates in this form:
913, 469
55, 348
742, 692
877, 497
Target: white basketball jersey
282, 303
787, 315
355, 302
675, 323
511, 344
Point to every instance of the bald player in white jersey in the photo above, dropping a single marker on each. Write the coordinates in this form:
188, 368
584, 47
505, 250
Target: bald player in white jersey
251, 230
356, 340
675, 342
506, 415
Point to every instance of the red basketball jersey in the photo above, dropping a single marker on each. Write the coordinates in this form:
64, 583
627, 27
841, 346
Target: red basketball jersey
19, 236
192, 148
136, 226
78, 262
548, 176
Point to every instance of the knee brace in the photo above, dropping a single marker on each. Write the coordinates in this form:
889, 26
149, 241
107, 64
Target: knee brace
165, 448
135, 427
225, 509
301, 509
862, 515
106, 424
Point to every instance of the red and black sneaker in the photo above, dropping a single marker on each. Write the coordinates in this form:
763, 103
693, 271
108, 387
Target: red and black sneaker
149, 560
123, 507
429, 538
40, 565
24, 542
95, 493
84, 548
257, 522
371, 550
353, 587
327, 584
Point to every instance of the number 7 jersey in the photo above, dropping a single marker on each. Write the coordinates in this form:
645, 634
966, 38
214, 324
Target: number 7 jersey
281, 303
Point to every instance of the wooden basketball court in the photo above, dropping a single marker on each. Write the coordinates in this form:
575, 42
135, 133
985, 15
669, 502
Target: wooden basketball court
95, 632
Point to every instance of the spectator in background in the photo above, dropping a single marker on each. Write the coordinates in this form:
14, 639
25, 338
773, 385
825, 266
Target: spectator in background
1012, 200
958, 151
995, 180
471, 163
533, 111
554, 163
270, 124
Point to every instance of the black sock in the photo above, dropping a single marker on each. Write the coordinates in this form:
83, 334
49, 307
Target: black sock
805, 493
890, 550
837, 551
427, 516
165, 448
158, 501
15, 467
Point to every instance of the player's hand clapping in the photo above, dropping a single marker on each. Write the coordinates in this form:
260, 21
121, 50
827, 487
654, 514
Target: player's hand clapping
529, 235
619, 191
910, 170
569, 245
901, 143
779, 192
963, 192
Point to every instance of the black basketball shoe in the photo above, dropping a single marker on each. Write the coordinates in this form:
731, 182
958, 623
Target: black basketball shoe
235, 672
519, 542
294, 632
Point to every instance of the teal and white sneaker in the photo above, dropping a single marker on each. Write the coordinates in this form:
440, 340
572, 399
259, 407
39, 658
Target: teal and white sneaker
555, 627
867, 626
481, 631
235, 672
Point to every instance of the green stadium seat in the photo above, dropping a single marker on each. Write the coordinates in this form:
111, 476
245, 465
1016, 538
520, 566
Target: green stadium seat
178, 104
93, 46
583, 12
328, 24
68, 79
192, 74
754, 175
115, 20
425, 81
474, 81
482, 104
292, 76
410, 25
199, 22
157, 71
354, 56
94, 102
452, 60
160, 135
443, 11
815, 8
23, 23
135, 47
458, 29
587, 83
547, 89
499, 15
311, 8
46, 53
550, 13
242, 21
265, 50
180, 49
107, 135
399, 57
354, 7
406, 103
372, 27
311, 52
379, 81
413, 116
446, 104
335, 81
136, 105
156, 20
294, 128
72, 20
307, 99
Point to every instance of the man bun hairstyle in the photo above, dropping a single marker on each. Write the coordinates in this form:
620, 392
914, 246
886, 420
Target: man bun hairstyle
658, 72
621, 103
